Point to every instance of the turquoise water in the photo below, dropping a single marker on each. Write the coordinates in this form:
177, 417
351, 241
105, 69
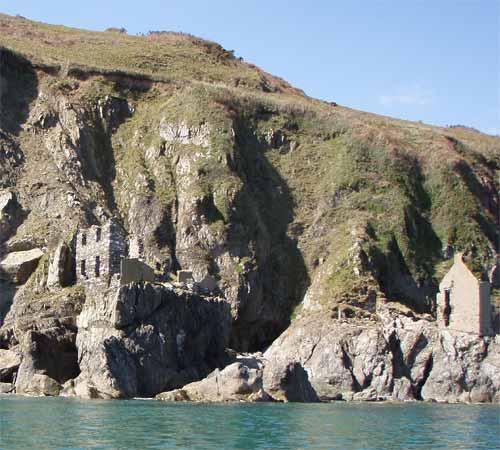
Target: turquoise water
59, 423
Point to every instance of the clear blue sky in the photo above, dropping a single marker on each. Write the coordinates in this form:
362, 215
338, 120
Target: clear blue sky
430, 60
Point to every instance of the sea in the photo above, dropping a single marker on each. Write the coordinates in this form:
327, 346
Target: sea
67, 423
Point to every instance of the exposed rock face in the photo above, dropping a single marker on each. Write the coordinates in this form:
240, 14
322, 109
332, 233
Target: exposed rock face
225, 229
9, 364
143, 339
17, 267
7, 293
49, 360
272, 201
10, 214
40, 311
288, 382
183, 134
41, 328
240, 380
11, 157
61, 271
464, 369
395, 357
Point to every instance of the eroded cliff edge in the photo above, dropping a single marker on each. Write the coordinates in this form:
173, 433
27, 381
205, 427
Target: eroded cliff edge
294, 207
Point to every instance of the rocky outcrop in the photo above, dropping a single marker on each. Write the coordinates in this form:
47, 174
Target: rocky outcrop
142, 339
464, 369
393, 357
61, 271
39, 310
10, 214
9, 365
17, 267
40, 328
288, 382
183, 134
238, 381
49, 360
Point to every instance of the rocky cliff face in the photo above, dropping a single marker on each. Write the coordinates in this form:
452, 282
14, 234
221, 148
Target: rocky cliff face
394, 356
291, 208
141, 339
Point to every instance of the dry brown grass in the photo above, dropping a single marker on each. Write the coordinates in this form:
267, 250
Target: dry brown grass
163, 55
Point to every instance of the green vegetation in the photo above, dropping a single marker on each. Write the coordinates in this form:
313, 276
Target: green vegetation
349, 201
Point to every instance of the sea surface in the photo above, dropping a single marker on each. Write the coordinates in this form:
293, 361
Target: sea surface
61, 423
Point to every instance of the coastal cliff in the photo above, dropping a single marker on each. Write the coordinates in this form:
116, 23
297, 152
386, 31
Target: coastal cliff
324, 231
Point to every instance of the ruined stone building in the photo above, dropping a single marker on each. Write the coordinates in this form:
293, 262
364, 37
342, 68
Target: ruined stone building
463, 301
99, 251
104, 251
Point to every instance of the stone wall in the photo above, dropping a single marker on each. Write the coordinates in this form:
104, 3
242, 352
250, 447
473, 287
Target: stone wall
463, 301
117, 246
99, 250
135, 271
184, 276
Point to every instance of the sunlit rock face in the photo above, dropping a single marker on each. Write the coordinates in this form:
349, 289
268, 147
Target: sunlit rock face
297, 219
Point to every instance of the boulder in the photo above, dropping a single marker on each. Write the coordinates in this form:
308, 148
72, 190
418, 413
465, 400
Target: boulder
17, 267
61, 267
48, 361
288, 382
239, 381
176, 395
9, 364
39, 384
6, 388
10, 214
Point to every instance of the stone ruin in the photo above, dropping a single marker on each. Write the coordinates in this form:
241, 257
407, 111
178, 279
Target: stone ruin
134, 270
99, 251
184, 276
103, 252
463, 301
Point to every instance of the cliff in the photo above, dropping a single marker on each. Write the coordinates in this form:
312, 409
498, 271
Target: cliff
295, 207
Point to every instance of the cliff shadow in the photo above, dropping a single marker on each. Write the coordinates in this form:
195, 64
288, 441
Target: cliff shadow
7, 294
488, 199
396, 280
18, 88
405, 268
261, 214
96, 147
109, 112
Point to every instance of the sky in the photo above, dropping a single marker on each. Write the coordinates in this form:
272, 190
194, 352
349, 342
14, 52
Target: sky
437, 61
